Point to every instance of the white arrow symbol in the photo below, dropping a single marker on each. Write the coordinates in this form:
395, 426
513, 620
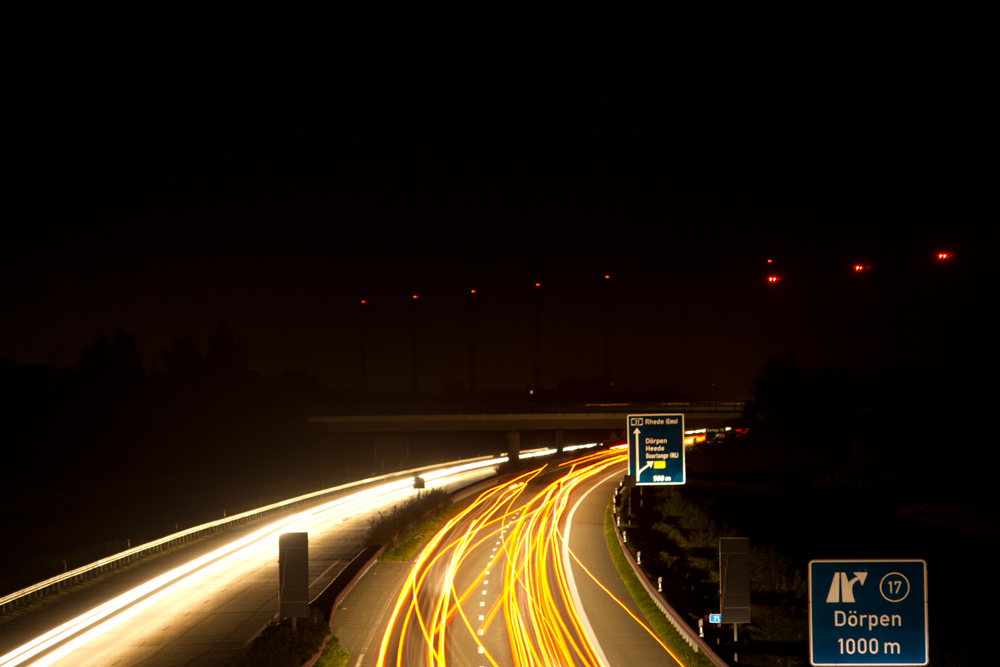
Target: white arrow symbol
842, 588
639, 472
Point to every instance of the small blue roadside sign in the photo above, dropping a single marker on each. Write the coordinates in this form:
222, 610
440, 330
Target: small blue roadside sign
717, 618
870, 612
656, 449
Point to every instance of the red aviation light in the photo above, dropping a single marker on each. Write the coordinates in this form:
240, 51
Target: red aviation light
362, 302
472, 291
858, 268
944, 255
538, 284
773, 279
606, 277
414, 296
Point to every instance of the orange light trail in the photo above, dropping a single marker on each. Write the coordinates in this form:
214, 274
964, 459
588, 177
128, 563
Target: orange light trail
431, 622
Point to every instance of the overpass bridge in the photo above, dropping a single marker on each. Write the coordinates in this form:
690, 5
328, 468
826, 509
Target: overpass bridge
559, 417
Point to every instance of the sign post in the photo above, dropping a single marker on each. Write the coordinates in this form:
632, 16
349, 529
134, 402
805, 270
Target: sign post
734, 580
656, 449
870, 612
293, 576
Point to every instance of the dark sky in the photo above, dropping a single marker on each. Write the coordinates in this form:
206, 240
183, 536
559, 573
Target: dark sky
270, 170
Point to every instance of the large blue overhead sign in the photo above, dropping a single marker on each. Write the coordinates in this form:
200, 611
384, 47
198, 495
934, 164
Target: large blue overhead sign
868, 612
656, 449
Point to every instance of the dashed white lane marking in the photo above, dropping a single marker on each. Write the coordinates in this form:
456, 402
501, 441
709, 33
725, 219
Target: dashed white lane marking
324, 573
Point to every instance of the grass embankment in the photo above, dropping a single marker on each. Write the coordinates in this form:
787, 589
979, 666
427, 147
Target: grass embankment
413, 539
679, 540
654, 617
333, 655
405, 528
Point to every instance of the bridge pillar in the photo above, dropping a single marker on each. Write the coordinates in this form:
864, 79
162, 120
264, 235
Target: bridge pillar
514, 446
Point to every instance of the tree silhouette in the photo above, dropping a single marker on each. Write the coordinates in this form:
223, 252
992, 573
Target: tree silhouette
183, 359
227, 357
112, 364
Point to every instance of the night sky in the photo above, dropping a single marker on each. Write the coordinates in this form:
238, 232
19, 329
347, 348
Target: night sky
164, 174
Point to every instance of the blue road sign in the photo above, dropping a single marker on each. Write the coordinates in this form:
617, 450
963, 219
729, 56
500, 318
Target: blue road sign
717, 618
656, 449
871, 612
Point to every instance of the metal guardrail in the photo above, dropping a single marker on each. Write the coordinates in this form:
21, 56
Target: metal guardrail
55, 584
675, 619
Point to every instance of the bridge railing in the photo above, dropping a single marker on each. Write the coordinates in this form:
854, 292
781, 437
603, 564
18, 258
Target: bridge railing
543, 408
672, 406
56, 583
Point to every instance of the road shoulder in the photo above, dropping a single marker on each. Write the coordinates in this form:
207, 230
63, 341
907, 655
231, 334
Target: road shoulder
363, 615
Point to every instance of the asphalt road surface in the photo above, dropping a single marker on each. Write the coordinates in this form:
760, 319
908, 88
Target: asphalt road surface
207, 604
500, 588
625, 643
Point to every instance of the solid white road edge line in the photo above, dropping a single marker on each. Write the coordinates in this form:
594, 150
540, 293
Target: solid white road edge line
571, 580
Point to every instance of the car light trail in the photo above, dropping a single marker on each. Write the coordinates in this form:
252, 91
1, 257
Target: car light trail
62, 640
572, 448
544, 452
431, 621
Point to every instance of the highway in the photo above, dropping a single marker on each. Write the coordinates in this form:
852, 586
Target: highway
517, 578
601, 593
202, 612
501, 586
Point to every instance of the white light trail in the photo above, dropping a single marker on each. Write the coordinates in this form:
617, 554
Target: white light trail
529, 455
573, 448
98, 620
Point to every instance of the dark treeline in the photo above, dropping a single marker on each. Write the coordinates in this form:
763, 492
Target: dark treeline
919, 419
116, 451
895, 465
112, 452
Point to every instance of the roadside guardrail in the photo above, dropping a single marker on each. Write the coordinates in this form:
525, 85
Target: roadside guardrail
675, 619
55, 584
